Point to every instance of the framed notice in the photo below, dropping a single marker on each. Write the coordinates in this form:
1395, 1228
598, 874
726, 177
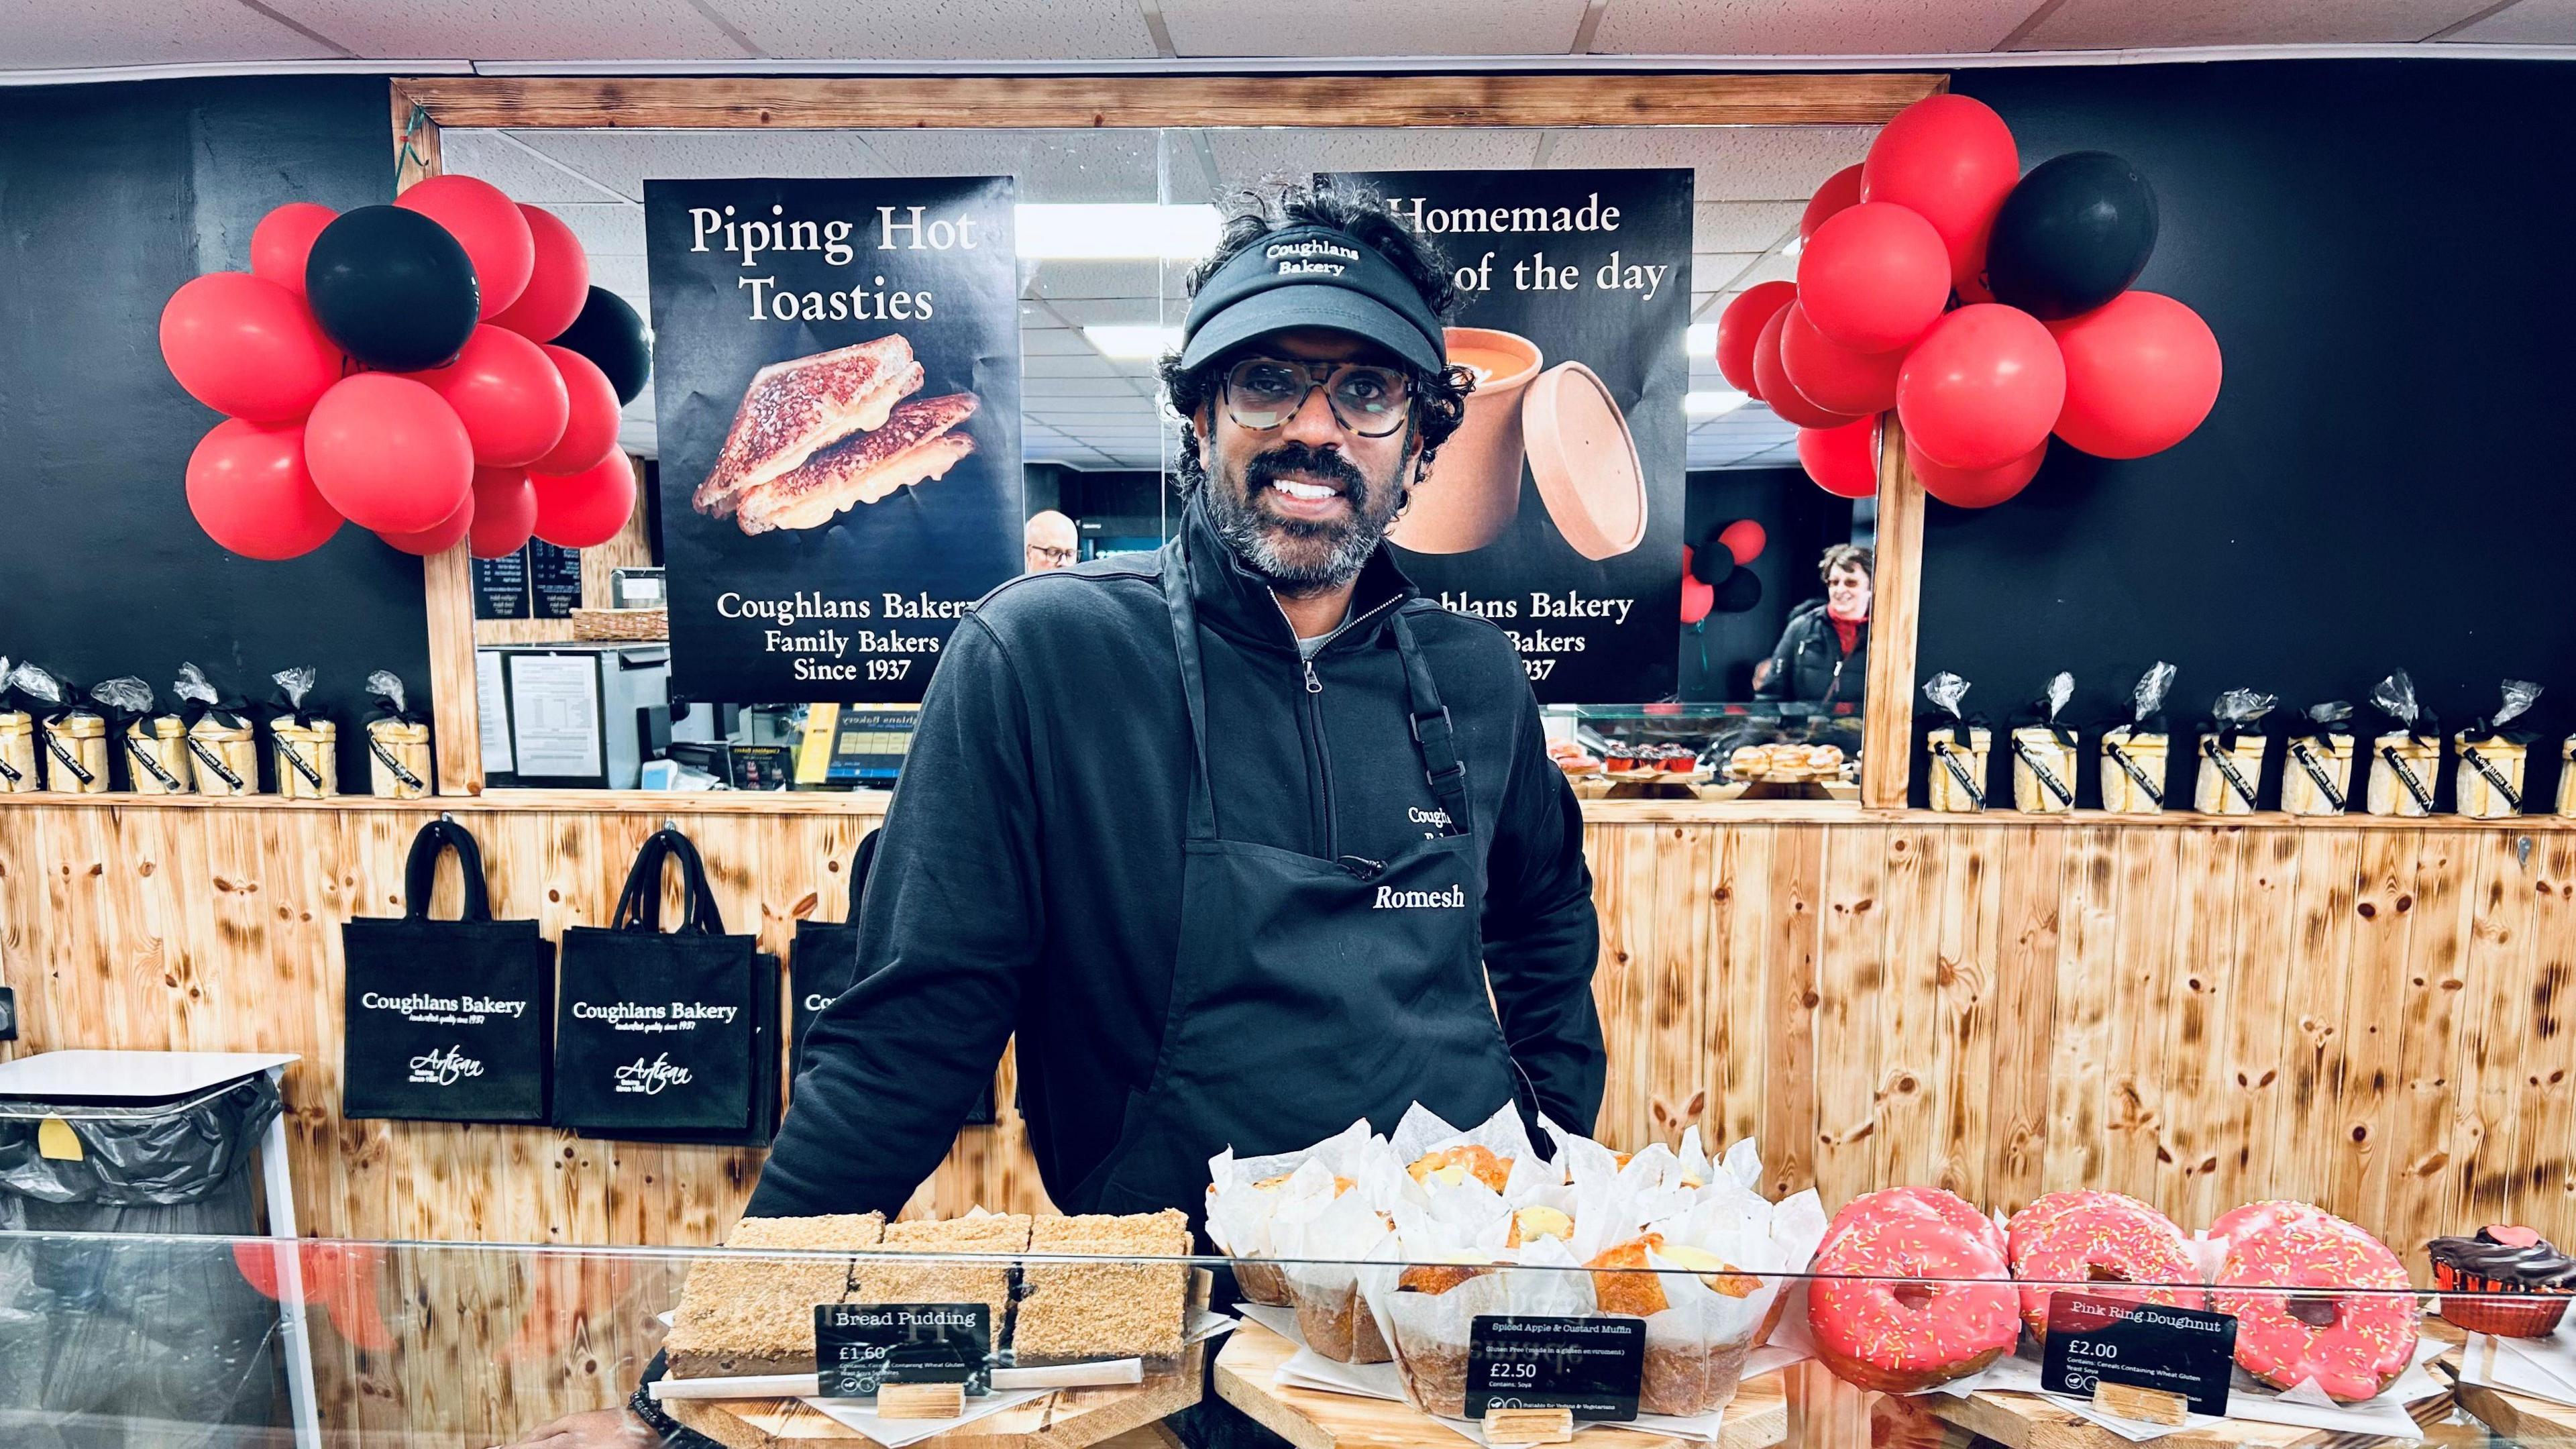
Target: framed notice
1556, 509
837, 373
501, 586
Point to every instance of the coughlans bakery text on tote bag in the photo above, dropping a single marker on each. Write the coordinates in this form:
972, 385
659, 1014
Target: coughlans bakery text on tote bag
661, 1031
447, 1021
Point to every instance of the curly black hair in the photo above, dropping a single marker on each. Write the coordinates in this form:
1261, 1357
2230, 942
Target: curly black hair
1439, 398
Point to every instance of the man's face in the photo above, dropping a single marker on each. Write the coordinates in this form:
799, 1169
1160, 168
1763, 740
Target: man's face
1304, 503
1049, 541
1847, 593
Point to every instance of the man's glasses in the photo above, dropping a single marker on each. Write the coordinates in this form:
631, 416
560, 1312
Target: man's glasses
1263, 392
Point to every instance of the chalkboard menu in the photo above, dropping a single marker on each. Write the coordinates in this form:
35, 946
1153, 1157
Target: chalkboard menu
501, 586
554, 579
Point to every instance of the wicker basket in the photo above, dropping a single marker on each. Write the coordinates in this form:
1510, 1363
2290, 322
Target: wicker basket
623, 625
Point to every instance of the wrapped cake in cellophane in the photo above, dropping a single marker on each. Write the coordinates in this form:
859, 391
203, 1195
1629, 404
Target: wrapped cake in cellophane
2318, 780
154, 742
2406, 762
2232, 746
2133, 751
2044, 752
1957, 745
2491, 756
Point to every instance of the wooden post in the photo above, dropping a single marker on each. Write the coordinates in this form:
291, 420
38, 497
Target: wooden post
1896, 592
455, 724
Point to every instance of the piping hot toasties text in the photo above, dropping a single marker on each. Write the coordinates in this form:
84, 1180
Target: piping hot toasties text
840, 243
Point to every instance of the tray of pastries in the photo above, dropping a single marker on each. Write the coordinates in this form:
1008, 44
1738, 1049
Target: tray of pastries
1785, 763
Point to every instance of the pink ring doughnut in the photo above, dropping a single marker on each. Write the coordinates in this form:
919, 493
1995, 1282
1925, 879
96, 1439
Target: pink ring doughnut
2100, 1237
2370, 1336
1904, 1336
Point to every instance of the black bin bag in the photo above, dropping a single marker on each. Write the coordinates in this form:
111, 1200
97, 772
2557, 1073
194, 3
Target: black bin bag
667, 1036
154, 1339
447, 1021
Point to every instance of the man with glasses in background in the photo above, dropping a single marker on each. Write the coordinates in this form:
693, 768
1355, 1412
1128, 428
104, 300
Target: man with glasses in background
1245, 839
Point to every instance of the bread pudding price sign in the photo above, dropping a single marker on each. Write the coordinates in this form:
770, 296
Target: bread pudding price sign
837, 378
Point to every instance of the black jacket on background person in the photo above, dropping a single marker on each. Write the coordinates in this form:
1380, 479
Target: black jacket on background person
1029, 875
1809, 664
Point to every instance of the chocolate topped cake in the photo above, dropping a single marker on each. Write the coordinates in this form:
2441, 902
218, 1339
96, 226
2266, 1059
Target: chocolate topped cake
2497, 1263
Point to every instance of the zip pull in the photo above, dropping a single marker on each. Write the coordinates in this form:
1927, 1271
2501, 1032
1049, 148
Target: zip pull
1360, 866
1313, 685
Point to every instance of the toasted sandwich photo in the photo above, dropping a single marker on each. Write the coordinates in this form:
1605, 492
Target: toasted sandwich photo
794, 408
916, 444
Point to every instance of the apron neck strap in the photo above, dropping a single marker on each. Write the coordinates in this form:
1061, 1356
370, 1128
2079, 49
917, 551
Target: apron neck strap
1433, 734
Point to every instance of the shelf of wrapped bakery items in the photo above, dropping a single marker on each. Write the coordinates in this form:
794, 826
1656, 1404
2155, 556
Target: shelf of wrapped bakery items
870, 803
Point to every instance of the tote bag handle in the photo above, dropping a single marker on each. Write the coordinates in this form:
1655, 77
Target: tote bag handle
639, 905
420, 872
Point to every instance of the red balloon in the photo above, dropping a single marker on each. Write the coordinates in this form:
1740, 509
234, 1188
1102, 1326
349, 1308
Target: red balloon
1874, 277
1777, 390
1831, 375
1982, 388
1840, 191
588, 508
1744, 539
388, 453
249, 491
511, 399
439, 539
1974, 487
1697, 598
247, 348
488, 225
1950, 158
284, 238
1741, 324
590, 432
557, 286
1844, 460
2141, 372
505, 512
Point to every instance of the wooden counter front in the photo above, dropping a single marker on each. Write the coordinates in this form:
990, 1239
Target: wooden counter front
2368, 1014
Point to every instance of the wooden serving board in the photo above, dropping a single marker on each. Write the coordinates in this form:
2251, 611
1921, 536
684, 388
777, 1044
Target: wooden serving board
1314, 1419
2516, 1416
2028, 1421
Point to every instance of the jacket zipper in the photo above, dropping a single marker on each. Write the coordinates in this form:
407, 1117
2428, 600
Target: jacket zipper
1315, 728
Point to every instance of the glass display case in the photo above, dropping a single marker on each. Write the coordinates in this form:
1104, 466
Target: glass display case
1755, 750
869, 1335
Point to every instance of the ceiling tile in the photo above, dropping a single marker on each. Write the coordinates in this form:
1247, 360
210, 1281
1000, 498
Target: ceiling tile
1085, 365
493, 157
1052, 342
1138, 282
1742, 226
503, 30
2136, 24
622, 160
2531, 22
1804, 27
943, 29
1735, 163
1036, 386
622, 275
1372, 27
1051, 166
1712, 270
52, 34
608, 229
1250, 157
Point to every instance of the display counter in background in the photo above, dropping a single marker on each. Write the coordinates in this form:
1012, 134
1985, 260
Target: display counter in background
2360, 1012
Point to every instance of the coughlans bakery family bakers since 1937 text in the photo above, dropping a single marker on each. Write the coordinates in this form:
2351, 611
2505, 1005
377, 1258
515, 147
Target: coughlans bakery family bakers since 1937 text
838, 379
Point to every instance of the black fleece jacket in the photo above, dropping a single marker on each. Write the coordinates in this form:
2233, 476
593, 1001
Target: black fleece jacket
1029, 876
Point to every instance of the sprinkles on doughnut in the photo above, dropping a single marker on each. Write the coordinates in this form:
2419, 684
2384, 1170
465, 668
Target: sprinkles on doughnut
2067, 1241
2353, 1343
1900, 1337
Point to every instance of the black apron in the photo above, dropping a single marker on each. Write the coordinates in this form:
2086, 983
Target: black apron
1308, 992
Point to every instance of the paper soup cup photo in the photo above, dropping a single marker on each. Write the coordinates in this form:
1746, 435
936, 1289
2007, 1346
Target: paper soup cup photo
1474, 488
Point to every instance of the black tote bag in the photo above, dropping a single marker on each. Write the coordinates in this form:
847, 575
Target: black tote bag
823, 962
664, 1033
446, 1021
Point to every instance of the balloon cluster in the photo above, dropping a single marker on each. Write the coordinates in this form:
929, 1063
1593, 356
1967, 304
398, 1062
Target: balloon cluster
1988, 308
1714, 576
431, 371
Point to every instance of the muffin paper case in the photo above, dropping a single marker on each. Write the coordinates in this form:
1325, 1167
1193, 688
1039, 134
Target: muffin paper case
1240, 1206
155, 750
221, 753
2043, 749
1323, 1238
2492, 757
1958, 748
2232, 746
1421, 1132
2405, 762
2133, 753
2318, 777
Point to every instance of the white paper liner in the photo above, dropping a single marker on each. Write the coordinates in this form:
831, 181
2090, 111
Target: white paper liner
860, 1414
2540, 1368
2247, 1399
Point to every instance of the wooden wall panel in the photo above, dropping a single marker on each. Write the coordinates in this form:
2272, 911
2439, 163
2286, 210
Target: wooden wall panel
2371, 1016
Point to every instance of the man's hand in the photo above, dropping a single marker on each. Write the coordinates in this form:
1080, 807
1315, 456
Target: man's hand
598, 1429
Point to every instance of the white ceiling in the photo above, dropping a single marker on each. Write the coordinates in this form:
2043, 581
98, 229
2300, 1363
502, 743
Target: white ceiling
1092, 411
71, 34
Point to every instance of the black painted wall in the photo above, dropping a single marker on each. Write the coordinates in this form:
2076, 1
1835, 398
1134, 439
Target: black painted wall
110, 197
1800, 519
2383, 251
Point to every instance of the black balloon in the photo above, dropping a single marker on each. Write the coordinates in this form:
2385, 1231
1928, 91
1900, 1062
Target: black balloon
609, 333
1740, 592
2072, 235
1711, 561
392, 288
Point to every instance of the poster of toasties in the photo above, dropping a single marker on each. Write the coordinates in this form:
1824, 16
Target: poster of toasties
836, 369
1555, 510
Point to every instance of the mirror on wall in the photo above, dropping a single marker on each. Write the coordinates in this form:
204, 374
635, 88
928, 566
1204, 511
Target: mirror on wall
1601, 447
